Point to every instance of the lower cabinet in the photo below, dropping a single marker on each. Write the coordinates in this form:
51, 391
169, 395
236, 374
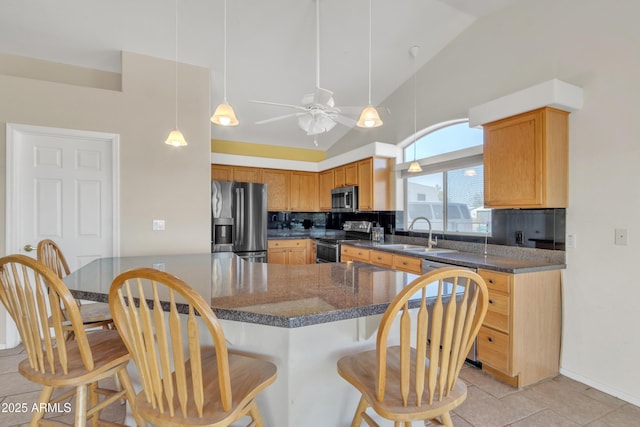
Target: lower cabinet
381, 258
289, 251
352, 253
519, 341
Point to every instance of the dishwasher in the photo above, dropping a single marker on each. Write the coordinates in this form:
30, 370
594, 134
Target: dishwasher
427, 266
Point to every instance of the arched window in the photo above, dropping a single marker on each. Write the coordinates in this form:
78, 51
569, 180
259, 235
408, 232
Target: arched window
450, 189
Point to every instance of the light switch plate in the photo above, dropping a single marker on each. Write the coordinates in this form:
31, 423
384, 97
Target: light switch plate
158, 225
571, 240
621, 236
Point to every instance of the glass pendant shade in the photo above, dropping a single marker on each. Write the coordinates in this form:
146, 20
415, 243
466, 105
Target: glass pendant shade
415, 167
224, 115
176, 139
369, 118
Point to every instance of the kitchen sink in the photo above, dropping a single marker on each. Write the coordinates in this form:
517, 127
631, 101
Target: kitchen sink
400, 246
425, 250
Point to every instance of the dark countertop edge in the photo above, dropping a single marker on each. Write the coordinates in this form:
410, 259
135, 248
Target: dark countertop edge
472, 262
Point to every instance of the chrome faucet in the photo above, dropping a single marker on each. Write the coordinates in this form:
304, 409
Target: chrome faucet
430, 243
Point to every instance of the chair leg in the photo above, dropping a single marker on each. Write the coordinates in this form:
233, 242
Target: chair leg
93, 401
45, 397
446, 419
81, 406
357, 418
254, 413
127, 386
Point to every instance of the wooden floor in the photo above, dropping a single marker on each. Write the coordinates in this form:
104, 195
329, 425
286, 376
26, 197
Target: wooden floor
557, 402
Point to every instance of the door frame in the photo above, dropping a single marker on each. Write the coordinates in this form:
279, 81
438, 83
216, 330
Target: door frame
12, 196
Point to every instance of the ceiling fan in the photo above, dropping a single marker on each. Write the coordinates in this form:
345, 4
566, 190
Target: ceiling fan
317, 113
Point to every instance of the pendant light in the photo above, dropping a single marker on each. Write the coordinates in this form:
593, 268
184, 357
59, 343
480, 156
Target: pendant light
224, 114
175, 137
369, 117
414, 166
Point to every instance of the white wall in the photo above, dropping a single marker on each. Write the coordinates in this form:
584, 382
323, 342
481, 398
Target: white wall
156, 181
596, 45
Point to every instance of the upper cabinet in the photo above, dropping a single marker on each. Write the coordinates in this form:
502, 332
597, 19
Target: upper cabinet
374, 184
526, 160
325, 185
303, 192
278, 186
235, 173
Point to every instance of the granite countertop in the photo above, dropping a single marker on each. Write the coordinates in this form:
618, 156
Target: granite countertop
471, 260
287, 296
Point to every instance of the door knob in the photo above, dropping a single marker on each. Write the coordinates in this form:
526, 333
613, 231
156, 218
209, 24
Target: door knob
28, 248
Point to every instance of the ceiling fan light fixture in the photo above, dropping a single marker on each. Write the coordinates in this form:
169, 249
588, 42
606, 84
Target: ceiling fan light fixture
224, 115
176, 139
369, 118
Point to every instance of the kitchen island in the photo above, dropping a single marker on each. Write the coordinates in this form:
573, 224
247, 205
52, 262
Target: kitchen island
301, 317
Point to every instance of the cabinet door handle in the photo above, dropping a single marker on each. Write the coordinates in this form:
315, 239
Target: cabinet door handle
491, 281
490, 301
490, 339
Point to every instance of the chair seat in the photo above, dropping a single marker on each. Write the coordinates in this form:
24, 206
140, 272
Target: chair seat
248, 375
361, 371
108, 352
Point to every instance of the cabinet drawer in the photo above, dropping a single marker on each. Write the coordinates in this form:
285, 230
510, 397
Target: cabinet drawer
355, 253
496, 281
493, 349
384, 259
498, 312
406, 263
296, 243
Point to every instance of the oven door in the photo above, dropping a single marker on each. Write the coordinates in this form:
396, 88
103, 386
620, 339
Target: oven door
327, 251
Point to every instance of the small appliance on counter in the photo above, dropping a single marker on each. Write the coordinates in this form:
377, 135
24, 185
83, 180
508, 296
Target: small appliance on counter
239, 219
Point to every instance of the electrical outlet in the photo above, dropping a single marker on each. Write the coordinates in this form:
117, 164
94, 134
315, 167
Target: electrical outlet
621, 236
158, 225
519, 237
571, 241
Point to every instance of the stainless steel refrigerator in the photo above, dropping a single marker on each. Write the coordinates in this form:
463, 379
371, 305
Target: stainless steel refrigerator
239, 219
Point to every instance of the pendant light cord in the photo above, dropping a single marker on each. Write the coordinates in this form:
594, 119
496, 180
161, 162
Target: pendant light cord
225, 53
176, 66
317, 43
369, 52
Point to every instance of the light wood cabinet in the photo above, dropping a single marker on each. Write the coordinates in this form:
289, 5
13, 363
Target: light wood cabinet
519, 341
288, 251
526, 160
383, 259
351, 174
352, 253
339, 177
325, 185
374, 184
221, 173
278, 188
303, 194
235, 173
407, 263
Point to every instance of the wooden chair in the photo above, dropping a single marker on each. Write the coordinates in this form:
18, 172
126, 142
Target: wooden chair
93, 315
35, 297
418, 379
208, 385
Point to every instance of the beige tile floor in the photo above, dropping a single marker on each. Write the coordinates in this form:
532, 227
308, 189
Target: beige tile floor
558, 402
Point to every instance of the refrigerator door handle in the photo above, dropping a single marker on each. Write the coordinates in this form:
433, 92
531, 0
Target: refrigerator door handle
239, 216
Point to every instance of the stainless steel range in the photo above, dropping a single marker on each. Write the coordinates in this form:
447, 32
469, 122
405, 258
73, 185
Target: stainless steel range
328, 249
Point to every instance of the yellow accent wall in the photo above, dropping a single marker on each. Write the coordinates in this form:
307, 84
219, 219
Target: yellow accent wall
270, 151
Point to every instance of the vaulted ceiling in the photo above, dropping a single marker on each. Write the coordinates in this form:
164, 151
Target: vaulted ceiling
271, 47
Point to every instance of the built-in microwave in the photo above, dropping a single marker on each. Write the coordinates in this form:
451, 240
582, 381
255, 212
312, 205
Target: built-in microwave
344, 199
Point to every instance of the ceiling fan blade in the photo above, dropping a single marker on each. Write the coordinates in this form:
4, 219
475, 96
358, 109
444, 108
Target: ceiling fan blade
298, 107
323, 97
346, 121
275, 119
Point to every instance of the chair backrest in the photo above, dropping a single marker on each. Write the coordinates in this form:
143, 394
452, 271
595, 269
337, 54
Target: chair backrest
436, 332
35, 298
157, 342
49, 254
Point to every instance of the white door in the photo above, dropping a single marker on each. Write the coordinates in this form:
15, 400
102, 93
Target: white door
62, 185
